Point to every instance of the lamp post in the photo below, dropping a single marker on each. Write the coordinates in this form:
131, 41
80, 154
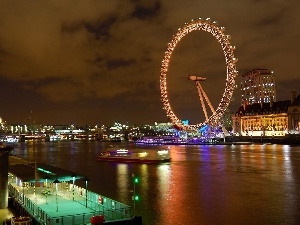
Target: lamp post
46, 192
86, 179
56, 182
23, 185
46, 182
73, 188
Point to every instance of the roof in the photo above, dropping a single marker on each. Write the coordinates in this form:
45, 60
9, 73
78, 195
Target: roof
296, 102
265, 108
41, 172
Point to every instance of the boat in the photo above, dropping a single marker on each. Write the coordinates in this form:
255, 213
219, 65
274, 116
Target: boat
19, 220
116, 154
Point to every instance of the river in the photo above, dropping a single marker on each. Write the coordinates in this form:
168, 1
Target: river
207, 185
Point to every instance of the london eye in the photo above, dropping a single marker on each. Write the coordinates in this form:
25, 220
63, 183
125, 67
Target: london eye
231, 73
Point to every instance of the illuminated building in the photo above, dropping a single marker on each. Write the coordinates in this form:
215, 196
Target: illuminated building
294, 113
268, 119
258, 86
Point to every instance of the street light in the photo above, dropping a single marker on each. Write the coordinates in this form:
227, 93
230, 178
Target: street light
86, 179
73, 176
56, 182
46, 192
23, 185
46, 178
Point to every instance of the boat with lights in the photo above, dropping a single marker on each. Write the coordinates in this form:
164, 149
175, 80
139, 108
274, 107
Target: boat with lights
135, 155
20, 220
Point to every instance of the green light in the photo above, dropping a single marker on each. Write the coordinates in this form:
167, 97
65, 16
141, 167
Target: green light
45, 171
136, 180
136, 198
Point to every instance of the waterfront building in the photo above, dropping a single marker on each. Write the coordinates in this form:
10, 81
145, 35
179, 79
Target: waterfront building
167, 127
258, 86
268, 119
294, 113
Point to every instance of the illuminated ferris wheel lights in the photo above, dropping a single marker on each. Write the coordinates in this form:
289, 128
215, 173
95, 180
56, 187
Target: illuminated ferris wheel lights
218, 33
235, 60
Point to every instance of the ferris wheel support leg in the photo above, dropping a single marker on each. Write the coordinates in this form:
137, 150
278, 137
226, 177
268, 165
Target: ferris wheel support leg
201, 99
207, 100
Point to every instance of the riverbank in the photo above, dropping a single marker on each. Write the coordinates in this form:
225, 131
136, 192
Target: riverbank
232, 140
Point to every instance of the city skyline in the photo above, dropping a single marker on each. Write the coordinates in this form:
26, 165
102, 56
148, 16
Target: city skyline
98, 62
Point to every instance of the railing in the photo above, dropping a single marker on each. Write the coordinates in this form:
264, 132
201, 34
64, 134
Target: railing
112, 210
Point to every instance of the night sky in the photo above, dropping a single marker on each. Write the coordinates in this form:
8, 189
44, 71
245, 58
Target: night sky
93, 61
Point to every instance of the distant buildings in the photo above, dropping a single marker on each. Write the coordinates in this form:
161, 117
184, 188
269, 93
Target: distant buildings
293, 113
268, 119
258, 86
227, 120
260, 113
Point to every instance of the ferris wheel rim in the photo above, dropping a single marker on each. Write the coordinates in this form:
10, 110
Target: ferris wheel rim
223, 39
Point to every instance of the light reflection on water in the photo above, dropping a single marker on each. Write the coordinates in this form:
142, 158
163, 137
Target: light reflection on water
234, 184
122, 181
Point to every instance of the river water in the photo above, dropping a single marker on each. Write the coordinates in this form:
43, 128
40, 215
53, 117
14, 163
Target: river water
207, 185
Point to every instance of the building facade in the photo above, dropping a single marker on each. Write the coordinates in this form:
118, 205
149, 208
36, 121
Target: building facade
294, 114
268, 119
258, 86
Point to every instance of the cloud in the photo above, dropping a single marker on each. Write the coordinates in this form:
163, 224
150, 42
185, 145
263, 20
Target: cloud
70, 51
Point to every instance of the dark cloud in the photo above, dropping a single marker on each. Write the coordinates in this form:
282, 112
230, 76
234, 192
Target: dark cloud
101, 29
94, 61
146, 10
112, 64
